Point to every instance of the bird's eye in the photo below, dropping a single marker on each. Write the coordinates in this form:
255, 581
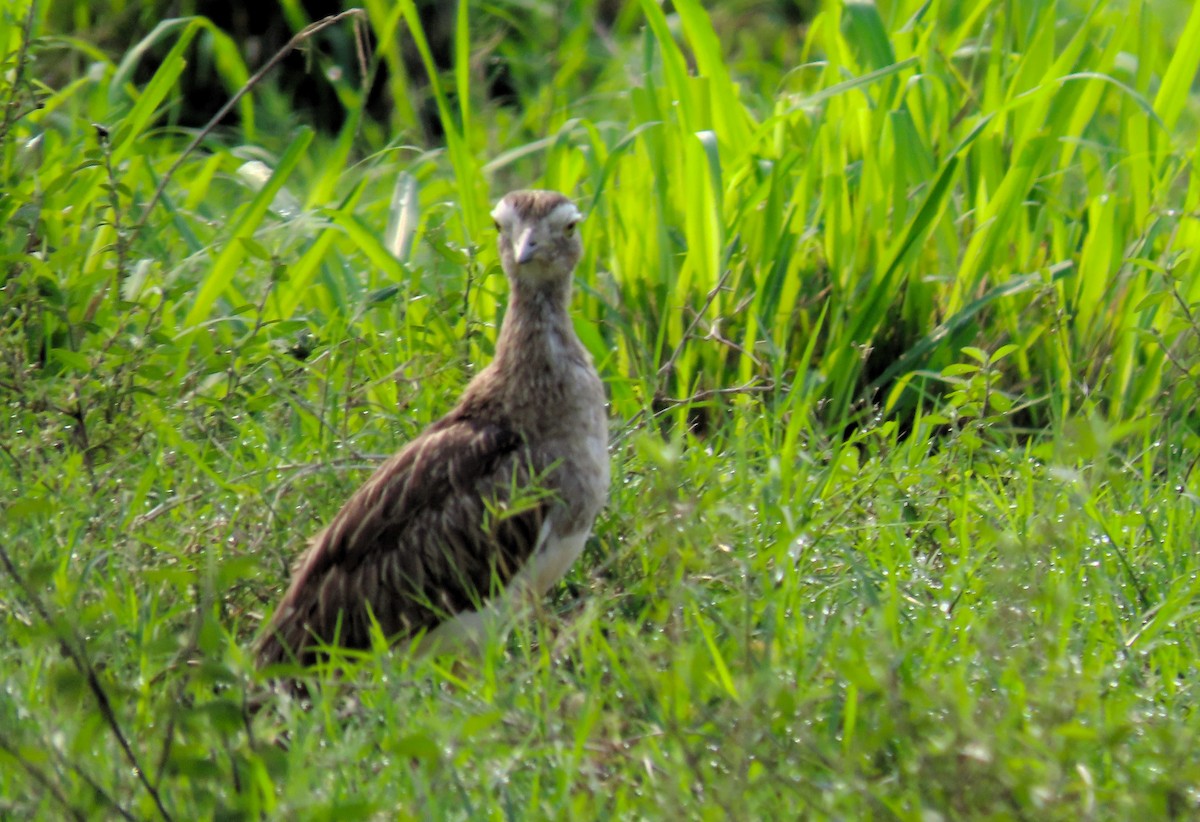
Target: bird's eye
570, 227
496, 223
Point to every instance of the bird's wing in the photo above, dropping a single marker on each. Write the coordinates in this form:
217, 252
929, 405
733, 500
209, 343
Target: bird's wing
430, 534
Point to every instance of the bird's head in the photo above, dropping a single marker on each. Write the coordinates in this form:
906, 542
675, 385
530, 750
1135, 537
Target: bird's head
539, 235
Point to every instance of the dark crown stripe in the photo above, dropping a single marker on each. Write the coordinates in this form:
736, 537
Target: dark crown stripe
534, 205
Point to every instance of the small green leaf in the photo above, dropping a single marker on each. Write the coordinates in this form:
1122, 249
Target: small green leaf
1000, 403
255, 248
383, 295
1151, 300
226, 716
71, 359
25, 508
417, 746
478, 723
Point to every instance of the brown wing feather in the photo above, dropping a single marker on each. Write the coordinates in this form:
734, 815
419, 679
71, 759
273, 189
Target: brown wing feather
415, 544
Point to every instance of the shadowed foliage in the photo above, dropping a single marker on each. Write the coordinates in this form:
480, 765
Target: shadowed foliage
895, 305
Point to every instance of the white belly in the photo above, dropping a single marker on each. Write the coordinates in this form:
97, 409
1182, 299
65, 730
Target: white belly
468, 630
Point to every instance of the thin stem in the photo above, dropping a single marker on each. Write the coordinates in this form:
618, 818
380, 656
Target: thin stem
304, 34
11, 103
85, 667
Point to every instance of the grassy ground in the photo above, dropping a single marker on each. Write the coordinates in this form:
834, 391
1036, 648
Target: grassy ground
897, 310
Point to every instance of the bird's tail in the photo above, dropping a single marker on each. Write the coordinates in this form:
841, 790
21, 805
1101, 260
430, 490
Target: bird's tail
283, 642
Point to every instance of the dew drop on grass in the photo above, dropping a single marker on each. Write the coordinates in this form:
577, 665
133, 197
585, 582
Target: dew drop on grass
798, 546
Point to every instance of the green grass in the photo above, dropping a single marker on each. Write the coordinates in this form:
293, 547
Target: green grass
897, 309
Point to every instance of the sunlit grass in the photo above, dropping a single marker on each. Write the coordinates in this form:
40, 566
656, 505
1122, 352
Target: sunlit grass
897, 312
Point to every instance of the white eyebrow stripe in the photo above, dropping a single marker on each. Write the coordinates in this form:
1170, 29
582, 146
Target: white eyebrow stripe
564, 214
503, 213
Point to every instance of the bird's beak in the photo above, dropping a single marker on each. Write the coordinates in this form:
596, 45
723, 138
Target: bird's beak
523, 251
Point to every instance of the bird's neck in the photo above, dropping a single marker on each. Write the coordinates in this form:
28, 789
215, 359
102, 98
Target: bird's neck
536, 326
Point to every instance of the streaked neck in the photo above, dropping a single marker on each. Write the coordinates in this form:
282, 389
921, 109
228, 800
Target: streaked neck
537, 324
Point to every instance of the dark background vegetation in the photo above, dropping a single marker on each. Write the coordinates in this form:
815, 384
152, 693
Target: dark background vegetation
896, 305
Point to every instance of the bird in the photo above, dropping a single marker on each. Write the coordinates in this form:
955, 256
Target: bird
486, 509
